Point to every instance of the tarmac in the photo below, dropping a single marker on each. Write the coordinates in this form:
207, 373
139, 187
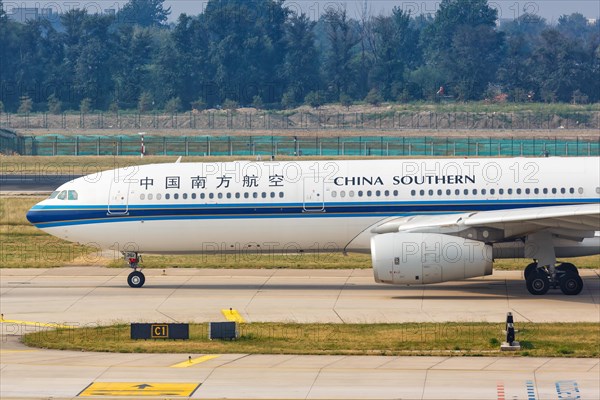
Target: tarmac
36, 298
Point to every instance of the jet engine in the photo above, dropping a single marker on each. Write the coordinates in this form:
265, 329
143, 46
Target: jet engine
422, 258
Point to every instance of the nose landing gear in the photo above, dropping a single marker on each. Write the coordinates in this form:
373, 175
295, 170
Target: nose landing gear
136, 279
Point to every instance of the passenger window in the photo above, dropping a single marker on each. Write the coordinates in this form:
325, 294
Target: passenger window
334, 194
167, 196
211, 195
563, 190
360, 193
237, 195
342, 194
369, 193
501, 191
72, 195
395, 193
387, 193
351, 193
519, 191
492, 191
422, 192
466, 192
142, 196
184, 196
228, 195
263, 195
528, 191
483, 191
572, 191
378, 193
158, 196
536, 191
545, 191
202, 195
193, 196
272, 195
246, 195
176, 196
255, 195
474, 191
457, 192
553, 190
510, 191
439, 192
580, 190
62, 195
448, 192
220, 195
149, 196
430, 192
281, 195
413, 192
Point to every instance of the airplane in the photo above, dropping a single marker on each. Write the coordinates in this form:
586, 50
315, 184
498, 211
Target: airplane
423, 221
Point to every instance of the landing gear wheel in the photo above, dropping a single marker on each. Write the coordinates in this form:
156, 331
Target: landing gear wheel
136, 279
568, 267
538, 283
530, 269
571, 284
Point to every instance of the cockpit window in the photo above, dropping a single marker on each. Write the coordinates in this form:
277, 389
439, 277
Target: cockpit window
54, 194
72, 195
62, 195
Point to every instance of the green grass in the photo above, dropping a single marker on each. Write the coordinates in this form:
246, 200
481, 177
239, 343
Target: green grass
540, 340
24, 246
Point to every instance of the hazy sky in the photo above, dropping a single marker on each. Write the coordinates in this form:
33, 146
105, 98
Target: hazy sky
549, 9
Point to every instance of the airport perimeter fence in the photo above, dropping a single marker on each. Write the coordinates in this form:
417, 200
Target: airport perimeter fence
266, 146
314, 120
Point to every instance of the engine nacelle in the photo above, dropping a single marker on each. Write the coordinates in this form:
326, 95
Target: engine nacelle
422, 258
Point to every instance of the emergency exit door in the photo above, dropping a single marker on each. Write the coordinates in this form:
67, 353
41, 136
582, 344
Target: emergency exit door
314, 190
118, 198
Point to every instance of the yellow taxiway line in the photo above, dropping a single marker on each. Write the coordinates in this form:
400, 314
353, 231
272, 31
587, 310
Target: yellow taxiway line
233, 315
32, 323
194, 361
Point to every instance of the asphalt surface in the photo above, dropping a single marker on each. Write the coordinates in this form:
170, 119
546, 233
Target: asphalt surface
33, 183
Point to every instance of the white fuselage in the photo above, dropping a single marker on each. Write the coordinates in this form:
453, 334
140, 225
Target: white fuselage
292, 206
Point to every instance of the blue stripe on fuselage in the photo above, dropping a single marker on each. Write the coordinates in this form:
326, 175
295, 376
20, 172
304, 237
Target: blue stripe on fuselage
52, 216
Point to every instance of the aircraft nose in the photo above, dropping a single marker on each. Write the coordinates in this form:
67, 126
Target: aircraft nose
33, 215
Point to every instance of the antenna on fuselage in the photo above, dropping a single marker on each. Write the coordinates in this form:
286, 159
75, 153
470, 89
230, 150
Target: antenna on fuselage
179, 159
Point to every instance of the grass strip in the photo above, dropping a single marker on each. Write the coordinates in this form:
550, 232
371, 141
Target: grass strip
472, 339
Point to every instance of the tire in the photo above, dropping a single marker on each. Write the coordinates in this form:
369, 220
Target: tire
571, 284
538, 283
136, 279
531, 268
568, 267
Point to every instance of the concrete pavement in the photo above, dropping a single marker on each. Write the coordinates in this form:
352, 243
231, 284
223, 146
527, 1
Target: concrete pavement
82, 295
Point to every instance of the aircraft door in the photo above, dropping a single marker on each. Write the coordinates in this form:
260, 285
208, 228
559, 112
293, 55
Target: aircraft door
118, 198
314, 199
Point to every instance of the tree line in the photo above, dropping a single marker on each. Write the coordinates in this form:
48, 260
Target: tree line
263, 54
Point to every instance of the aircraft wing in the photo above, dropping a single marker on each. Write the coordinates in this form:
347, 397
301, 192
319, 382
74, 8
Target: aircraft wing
574, 222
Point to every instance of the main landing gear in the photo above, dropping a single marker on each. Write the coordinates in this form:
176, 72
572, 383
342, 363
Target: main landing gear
135, 279
564, 276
